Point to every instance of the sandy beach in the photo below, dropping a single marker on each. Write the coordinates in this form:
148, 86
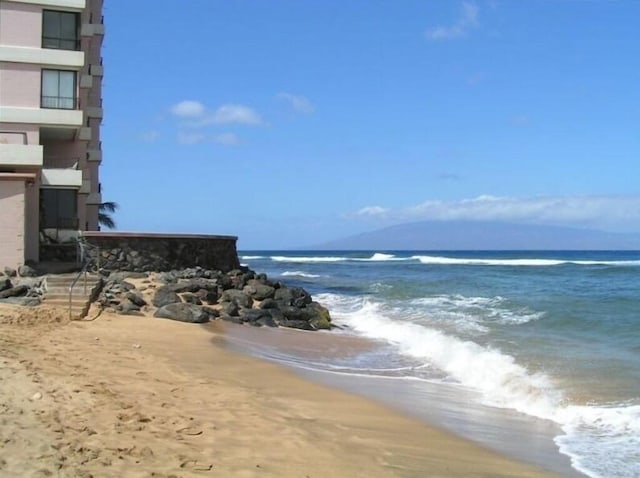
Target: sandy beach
144, 397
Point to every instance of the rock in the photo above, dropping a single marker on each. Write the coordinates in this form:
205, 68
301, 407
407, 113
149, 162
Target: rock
16, 291
208, 296
297, 324
321, 318
36, 396
291, 312
183, 313
267, 320
268, 304
27, 271
231, 318
118, 276
5, 283
136, 298
190, 298
165, 295
230, 308
213, 313
251, 315
258, 290
194, 285
126, 306
225, 282
10, 272
289, 295
237, 296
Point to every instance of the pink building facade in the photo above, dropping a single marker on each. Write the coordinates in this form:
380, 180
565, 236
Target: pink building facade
50, 115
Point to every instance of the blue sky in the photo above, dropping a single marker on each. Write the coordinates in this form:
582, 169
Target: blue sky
288, 123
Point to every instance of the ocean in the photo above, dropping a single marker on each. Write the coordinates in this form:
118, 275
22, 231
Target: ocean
545, 344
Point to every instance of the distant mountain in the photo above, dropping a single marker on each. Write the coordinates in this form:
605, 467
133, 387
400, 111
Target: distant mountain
483, 235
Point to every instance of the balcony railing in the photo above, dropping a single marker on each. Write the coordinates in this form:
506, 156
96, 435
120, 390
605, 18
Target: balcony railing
59, 102
58, 43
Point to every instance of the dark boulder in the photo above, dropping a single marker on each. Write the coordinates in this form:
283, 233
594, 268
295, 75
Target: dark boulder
10, 272
268, 304
231, 318
321, 319
27, 271
127, 307
17, 291
208, 296
5, 283
136, 299
251, 315
267, 321
237, 296
230, 308
183, 313
213, 313
190, 298
165, 295
258, 290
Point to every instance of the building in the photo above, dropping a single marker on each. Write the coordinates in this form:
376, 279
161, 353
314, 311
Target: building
50, 116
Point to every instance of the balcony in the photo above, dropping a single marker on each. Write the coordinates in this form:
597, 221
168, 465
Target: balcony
42, 116
75, 4
62, 178
27, 155
42, 56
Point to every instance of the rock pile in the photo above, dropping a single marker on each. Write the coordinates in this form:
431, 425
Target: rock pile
21, 290
199, 295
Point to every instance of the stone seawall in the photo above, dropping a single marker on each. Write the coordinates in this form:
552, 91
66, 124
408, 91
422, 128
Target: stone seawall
141, 252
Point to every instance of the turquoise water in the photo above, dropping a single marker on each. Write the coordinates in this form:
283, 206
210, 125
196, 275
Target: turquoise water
551, 335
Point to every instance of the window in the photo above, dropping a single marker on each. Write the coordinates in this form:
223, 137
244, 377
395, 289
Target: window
60, 30
59, 89
58, 209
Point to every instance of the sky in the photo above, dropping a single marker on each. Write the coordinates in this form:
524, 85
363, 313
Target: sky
290, 123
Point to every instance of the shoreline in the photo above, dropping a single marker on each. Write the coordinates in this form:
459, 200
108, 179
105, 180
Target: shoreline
138, 395
445, 406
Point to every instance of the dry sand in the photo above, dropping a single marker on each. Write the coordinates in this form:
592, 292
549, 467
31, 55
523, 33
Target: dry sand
143, 397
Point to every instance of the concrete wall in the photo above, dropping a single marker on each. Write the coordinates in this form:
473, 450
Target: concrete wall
12, 212
20, 24
20, 84
119, 251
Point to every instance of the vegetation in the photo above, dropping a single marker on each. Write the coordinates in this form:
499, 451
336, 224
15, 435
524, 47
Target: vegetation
105, 211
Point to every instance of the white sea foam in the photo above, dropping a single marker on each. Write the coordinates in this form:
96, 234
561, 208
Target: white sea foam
516, 262
474, 312
379, 256
300, 274
601, 440
250, 258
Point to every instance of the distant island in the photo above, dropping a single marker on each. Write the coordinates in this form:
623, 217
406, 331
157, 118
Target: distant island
483, 235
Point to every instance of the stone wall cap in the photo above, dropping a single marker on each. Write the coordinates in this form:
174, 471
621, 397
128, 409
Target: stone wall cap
153, 235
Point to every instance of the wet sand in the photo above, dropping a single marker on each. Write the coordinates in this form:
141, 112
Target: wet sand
141, 397
445, 405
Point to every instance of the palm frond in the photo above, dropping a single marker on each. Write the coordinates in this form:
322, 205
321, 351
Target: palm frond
106, 220
108, 206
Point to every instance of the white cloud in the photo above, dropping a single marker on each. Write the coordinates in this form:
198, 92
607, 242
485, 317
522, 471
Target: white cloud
298, 103
228, 139
616, 213
188, 109
468, 20
372, 211
239, 114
